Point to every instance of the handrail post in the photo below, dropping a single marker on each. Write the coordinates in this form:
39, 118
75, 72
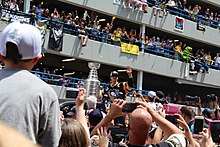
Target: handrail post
26, 6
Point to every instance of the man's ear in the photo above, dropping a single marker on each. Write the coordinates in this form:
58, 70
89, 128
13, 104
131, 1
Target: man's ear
1, 58
35, 60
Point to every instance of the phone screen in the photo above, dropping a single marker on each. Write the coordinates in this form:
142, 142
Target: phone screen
215, 131
129, 107
198, 125
72, 93
172, 118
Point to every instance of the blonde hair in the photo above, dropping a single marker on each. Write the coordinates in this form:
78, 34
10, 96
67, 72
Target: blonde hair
73, 134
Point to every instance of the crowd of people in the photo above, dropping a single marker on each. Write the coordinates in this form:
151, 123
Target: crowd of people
34, 104
181, 8
91, 26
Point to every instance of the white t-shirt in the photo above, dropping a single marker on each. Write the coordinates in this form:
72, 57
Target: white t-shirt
13, 6
217, 60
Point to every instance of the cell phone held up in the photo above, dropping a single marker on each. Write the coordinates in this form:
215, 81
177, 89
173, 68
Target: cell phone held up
214, 127
129, 107
198, 125
172, 118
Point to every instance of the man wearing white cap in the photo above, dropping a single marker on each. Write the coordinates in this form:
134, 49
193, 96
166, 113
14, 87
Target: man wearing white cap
151, 96
27, 103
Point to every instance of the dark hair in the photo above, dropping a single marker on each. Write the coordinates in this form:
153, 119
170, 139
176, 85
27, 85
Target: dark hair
73, 134
95, 117
12, 53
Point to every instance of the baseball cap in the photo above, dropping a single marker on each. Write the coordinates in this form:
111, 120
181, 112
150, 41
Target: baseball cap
114, 73
151, 94
95, 117
26, 37
207, 112
72, 111
160, 94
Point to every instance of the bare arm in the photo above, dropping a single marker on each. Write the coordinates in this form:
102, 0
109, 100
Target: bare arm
159, 132
80, 113
115, 111
187, 132
164, 124
157, 135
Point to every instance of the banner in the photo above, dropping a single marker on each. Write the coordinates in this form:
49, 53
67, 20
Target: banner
179, 24
200, 27
129, 48
12, 16
56, 36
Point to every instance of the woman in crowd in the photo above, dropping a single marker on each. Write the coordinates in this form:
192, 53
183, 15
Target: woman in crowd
73, 134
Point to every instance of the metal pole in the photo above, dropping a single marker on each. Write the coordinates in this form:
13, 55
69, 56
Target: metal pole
26, 5
139, 80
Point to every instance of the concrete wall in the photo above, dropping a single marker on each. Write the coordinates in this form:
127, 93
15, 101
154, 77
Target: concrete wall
111, 55
213, 2
210, 36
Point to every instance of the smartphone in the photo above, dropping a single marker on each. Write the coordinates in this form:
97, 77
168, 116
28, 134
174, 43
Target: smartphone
172, 118
72, 93
171, 108
129, 107
214, 127
198, 125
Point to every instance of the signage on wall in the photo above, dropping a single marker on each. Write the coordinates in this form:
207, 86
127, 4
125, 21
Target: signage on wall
179, 24
200, 27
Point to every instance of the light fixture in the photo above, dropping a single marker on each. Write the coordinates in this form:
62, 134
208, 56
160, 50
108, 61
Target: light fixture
100, 20
68, 60
122, 70
70, 73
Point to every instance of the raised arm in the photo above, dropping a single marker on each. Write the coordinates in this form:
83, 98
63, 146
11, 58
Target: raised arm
80, 113
164, 124
114, 111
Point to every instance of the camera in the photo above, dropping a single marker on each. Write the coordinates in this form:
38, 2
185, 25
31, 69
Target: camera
211, 97
192, 98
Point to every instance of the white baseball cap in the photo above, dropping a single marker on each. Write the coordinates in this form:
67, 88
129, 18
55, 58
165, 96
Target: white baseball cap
26, 37
151, 94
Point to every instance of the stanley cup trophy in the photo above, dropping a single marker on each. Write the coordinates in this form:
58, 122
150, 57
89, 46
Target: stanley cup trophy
92, 83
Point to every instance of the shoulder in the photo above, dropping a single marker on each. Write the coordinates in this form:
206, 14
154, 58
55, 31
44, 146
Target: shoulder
177, 140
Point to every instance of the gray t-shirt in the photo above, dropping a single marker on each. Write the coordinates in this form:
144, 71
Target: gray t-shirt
29, 105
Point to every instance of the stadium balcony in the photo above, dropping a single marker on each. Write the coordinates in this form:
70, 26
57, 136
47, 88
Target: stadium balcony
212, 2
166, 24
144, 61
